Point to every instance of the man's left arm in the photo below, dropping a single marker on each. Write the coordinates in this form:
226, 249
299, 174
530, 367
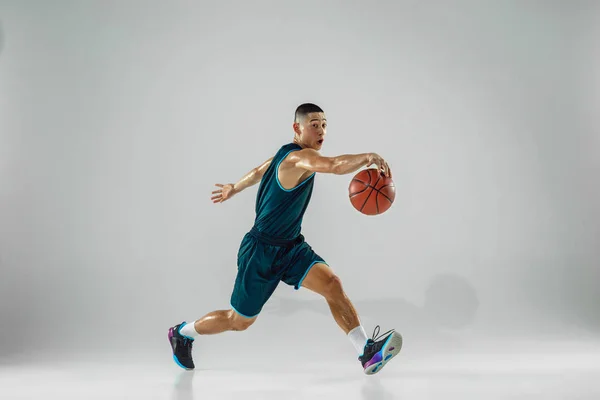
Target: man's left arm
226, 191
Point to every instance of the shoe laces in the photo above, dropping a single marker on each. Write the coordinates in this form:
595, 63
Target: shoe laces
187, 345
376, 335
188, 342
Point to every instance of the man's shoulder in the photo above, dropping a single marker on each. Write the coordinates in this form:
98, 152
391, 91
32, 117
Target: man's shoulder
287, 149
290, 146
293, 155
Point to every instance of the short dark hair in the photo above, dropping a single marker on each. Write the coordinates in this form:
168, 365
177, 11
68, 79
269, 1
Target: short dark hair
304, 109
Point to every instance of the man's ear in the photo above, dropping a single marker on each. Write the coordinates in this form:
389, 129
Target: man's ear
296, 128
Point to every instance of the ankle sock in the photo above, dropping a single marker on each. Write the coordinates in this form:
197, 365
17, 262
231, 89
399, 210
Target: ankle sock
189, 330
358, 337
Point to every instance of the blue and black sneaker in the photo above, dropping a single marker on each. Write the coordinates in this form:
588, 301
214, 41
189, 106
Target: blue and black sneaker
378, 352
182, 347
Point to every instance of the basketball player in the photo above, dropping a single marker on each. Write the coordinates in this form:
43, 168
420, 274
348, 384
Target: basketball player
274, 249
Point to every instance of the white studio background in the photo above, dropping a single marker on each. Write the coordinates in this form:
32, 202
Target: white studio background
116, 118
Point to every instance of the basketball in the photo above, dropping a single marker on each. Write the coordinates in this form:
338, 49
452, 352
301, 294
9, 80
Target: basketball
371, 192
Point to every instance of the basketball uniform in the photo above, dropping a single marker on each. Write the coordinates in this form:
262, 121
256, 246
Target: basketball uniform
274, 249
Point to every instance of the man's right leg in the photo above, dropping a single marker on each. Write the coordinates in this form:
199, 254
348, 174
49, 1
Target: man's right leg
217, 322
252, 288
182, 336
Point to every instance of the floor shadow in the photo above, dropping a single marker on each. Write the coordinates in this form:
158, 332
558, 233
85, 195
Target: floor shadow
183, 387
372, 389
451, 304
14, 290
451, 301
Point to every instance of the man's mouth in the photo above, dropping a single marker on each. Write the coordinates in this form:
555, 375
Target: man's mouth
320, 141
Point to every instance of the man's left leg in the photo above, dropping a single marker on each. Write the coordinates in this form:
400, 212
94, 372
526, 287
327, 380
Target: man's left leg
321, 279
373, 353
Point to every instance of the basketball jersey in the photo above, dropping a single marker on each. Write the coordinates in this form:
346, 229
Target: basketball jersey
279, 211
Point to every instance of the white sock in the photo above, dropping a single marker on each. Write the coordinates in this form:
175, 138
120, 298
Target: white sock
189, 330
358, 337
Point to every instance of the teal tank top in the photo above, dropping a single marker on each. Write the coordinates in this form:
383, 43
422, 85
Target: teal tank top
279, 211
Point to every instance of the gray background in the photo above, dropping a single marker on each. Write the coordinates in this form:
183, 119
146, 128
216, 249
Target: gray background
116, 118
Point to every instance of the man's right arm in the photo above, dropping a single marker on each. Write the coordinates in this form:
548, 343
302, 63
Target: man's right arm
311, 160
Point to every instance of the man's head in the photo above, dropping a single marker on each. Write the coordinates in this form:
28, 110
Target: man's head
310, 126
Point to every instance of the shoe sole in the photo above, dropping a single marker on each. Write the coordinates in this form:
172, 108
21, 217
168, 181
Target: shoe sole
390, 349
170, 336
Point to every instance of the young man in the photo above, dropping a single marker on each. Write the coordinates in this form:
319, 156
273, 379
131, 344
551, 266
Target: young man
274, 249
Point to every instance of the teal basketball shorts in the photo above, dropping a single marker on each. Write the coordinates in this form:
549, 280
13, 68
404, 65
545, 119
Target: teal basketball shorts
262, 263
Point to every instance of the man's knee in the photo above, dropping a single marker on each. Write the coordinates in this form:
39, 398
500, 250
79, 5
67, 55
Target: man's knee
333, 288
240, 323
322, 280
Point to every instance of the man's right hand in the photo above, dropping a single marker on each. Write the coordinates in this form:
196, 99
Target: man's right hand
382, 165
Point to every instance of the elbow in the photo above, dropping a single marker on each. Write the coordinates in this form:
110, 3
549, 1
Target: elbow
257, 174
336, 169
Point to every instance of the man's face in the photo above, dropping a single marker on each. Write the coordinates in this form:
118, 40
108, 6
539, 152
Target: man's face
312, 129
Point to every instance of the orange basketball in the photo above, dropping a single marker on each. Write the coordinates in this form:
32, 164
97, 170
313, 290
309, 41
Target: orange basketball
371, 192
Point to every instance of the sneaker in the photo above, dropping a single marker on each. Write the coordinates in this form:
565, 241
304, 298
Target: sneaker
378, 352
182, 347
